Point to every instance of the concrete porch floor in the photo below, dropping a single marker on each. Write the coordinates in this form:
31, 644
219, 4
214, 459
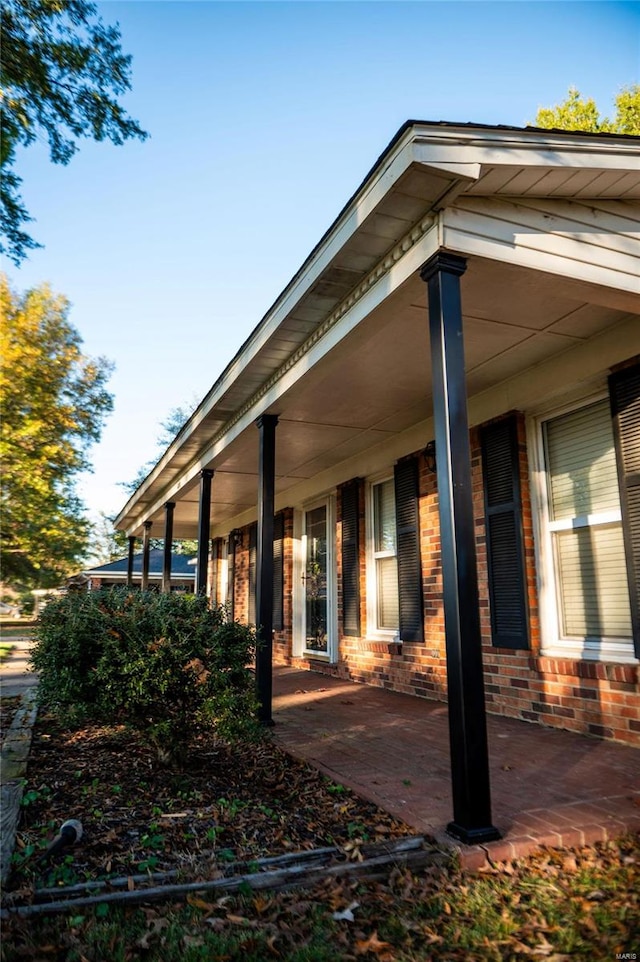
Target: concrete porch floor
548, 787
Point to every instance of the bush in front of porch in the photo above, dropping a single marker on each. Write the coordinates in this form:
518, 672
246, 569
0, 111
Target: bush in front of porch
168, 665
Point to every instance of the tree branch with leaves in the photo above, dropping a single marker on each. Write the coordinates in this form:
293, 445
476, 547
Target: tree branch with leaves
61, 72
577, 113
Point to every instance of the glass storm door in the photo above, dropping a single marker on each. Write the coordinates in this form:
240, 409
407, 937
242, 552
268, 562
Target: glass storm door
317, 580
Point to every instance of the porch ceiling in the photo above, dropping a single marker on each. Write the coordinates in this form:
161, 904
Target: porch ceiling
375, 382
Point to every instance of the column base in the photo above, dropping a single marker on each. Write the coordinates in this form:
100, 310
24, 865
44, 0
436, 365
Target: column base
473, 836
267, 722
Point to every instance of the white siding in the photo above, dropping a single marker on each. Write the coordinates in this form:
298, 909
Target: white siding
598, 243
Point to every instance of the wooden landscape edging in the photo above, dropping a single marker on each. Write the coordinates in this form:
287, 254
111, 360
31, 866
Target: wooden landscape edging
287, 871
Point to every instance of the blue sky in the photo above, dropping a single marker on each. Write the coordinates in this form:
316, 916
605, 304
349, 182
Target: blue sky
264, 118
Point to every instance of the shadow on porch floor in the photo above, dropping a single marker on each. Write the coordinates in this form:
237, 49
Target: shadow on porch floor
548, 787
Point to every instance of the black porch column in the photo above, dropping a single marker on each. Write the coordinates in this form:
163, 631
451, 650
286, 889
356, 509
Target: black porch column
467, 721
132, 548
168, 546
146, 545
264, 564
204, 523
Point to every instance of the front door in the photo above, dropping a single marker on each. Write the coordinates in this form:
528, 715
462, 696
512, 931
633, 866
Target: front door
318, 565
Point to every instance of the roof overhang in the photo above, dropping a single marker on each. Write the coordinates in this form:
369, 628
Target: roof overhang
342, 355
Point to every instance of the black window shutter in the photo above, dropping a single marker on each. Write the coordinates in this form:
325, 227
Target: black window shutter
624, 390
351, 558
232, 550
253, 546
278, 572
408, 550
504, 535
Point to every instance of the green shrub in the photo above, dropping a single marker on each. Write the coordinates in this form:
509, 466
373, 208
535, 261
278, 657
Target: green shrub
169, 665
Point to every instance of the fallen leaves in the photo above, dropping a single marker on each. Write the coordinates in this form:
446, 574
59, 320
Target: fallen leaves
556, 906
538, 912
374, 945
224, 805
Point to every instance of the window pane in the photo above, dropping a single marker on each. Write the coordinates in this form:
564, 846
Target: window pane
582, 463
387, 584
316, 579
590, 560
384, 508
593, 582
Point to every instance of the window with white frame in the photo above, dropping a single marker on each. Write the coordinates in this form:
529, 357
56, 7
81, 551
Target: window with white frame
584, 533
383, 593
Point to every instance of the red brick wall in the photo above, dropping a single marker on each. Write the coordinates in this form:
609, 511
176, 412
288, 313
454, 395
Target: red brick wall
282, 639
598, 699
240, 577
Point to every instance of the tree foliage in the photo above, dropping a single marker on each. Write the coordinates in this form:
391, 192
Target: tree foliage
170, 427
107, 543
54, 402
61, 72
576, 113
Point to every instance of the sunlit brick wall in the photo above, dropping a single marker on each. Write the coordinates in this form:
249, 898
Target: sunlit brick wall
597, 699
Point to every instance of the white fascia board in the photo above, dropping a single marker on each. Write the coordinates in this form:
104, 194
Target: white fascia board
468, 172
527, 149
397, 274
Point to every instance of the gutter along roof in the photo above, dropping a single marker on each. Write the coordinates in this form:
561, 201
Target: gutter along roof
423, 170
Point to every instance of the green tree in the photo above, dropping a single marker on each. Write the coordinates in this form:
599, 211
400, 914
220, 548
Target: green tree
628, 110
576, 113
107, 543
54, 402
61, 72
169, 429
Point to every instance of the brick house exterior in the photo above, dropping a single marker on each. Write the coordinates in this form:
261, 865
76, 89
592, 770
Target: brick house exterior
594, 698
551, 306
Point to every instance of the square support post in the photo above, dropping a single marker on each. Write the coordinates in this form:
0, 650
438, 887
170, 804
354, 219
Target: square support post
467, 719
264, 565
146, 547
168, 547
132, 549
204, 524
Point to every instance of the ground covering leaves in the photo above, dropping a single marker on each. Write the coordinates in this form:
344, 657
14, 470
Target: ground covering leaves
556, 906
224, 804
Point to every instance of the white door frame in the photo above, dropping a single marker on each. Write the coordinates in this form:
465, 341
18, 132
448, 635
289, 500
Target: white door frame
299, 567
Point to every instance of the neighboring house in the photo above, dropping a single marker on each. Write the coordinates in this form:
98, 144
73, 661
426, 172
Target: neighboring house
115, 572
522, 246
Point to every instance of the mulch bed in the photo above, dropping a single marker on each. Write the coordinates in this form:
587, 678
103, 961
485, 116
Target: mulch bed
223, 805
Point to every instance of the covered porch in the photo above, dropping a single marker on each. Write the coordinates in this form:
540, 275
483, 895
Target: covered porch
549, 787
